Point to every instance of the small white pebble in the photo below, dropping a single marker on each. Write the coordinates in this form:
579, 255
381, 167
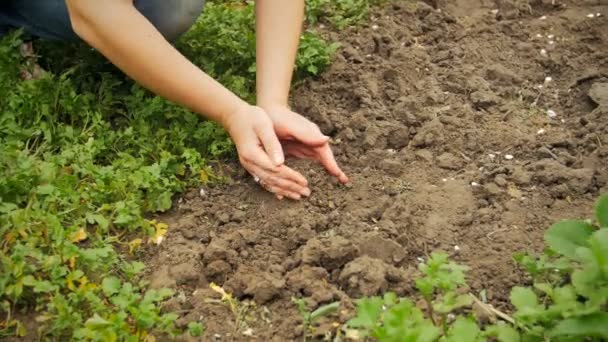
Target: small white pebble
420, 259
590, 15
474, 184
540, 86
456, 248
563, 121
202, 192
551, 42
248, 332
551, 113
543, 17
598, 14
494, 11
492, 155
374, 27
543, 52
541, 131
538, 35
548, 79
508, 156
368, 56
321, 26
550, 36
444, 179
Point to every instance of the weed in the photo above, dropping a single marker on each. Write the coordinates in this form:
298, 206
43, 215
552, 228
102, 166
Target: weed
566, 302
308, 317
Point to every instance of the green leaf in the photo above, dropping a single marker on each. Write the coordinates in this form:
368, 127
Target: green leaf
565, 237
96, 322
503, 333
7, 207
452, 301
195, 329
44, 286
45, 189
594, 325
110, 286
368, 313
601, 211
599, 248
324, 310
464, 329
525, 300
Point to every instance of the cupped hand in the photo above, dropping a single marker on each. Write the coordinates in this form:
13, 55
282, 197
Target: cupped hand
303, 139
261, 154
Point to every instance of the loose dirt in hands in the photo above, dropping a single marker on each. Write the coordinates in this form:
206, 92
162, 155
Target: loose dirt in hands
455, 139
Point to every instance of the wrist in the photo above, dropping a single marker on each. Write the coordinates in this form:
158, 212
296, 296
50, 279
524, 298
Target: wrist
232, 113
272, 102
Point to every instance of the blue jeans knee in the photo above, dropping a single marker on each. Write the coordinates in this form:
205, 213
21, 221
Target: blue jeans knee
50, 18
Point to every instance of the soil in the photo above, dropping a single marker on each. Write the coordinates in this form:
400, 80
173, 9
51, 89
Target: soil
454, 139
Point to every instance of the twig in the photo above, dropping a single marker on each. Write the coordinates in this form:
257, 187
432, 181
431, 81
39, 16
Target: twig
489, 235
491, 309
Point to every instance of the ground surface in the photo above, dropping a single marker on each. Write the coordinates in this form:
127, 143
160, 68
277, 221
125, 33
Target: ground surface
438, 118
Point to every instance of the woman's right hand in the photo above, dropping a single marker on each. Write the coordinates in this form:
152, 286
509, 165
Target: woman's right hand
261, 154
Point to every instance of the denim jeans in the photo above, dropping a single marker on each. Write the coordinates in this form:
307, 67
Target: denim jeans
49, 18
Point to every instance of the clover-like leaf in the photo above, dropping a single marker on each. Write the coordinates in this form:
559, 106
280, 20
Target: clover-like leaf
565, 237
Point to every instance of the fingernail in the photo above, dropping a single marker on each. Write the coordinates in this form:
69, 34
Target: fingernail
278, 159
297, 197
305, 192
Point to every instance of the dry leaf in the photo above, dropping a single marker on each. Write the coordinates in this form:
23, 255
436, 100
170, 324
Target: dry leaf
78, 236
161, 231
134, 245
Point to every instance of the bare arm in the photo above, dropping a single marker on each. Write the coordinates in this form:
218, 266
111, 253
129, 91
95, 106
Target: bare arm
278, 28
133, 44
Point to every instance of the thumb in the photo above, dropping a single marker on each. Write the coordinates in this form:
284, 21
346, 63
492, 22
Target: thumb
271, 143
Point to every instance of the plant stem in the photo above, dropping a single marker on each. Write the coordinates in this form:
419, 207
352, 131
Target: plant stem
429, 308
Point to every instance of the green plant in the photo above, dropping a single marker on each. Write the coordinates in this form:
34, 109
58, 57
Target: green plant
309, 318
195, 329
568, 300
340, 13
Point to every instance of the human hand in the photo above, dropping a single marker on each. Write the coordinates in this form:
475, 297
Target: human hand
261, 154
303, 139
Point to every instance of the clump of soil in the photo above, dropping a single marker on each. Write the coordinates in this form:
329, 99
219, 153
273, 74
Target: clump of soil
475, 123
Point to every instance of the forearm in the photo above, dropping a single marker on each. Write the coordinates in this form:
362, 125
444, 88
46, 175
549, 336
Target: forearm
278, 28
132, 43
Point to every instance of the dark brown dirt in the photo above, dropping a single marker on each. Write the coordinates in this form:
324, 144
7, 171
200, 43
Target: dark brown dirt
438, 117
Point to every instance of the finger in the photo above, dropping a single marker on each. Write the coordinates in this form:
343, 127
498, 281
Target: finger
298, 150
271, 144
327, 159
309, 133
290, 174
276, 180
289, 186
255, 155
282, 192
